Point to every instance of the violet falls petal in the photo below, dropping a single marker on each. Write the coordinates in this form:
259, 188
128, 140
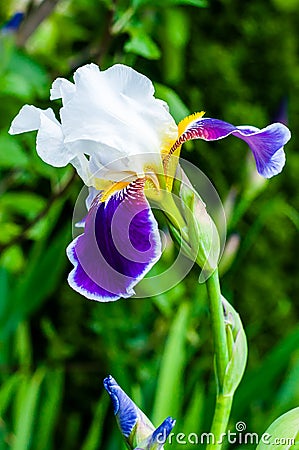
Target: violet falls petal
266, 144
120, 244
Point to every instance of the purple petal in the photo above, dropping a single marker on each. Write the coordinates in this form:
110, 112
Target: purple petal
266, 144
124, 409
161, 433
119, 245
133, 423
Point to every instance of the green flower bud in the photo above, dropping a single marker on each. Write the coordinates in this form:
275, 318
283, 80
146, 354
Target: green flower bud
199, 238
237, 349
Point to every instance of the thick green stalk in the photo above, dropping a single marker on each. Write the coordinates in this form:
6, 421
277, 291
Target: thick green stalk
218, 326
223, 402
220, 421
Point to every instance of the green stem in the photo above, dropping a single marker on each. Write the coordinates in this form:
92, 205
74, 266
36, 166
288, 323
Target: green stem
220, 421
218, 326
171, 210
223, 402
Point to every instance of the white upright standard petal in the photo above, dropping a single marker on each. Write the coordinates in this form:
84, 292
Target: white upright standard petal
116, 111
111, 123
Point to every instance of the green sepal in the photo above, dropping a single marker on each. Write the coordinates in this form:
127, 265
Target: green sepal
237, 348
283, 433
202, 232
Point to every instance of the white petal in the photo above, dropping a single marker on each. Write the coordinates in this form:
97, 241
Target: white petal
116, 108
85, 72
92, 193
49, 142
50, 139
28, 119
130, 82
111, 116
62, 88
80, 162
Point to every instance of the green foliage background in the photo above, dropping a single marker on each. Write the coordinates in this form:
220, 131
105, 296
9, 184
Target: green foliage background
239, 62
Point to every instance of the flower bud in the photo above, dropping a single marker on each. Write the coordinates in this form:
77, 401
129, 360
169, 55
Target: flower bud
237, 349
199, 240
138, 431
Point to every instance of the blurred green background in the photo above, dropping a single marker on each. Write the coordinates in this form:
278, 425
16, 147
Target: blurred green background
239, 62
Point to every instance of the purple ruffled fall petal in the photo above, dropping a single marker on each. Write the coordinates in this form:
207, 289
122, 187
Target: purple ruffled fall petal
266, 144
120, 244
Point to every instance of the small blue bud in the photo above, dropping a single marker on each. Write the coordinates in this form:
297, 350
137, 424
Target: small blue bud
137, 430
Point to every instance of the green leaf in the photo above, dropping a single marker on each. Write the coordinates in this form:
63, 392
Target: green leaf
141, 44
12, 259
170, 379
176, 106
26, 204
93, 438
261, 382
24, 77
9, 231
46, 264
8, 390
4, 289
23, 345
27, 411
43, 226
288, 392
175, 36
195, 412
198, 3
12, 155
49, 410
283, 433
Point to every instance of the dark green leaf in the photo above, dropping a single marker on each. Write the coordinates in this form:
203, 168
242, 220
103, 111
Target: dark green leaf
141, 44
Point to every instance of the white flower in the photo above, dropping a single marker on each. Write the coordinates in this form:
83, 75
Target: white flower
108, 119
125, 146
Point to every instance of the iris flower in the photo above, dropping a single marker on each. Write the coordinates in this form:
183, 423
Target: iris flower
138, 431
125, 144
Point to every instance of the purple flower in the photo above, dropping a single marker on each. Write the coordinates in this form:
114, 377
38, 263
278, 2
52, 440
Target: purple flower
125, 145
137, 430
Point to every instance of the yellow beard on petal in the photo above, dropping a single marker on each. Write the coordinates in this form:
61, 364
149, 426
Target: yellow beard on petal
169, 164
109, 187
171, 150
155, 179
185, 122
